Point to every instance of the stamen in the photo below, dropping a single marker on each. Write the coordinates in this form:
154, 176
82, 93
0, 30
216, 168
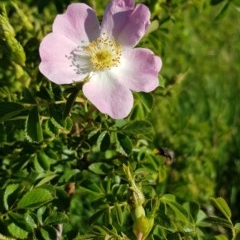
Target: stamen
101, 54
104, 53
79, 60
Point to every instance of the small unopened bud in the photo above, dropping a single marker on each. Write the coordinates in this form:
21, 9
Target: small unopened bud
142, 227
137, 212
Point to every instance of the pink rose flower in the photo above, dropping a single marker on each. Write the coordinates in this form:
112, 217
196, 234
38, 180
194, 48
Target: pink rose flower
103, 56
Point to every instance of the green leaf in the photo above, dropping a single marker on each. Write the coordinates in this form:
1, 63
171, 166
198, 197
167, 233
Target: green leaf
222, 206
56, 218
144, 103
9, 190
108, 216
57, 92
103, 141
162, 81
150, 166
37, 167
119, 214
28, 97
50, 128
124, 144
40, 212
56, 114
179, 211
20, 221
48, 232
219, 221
100, 202
236, 2
7, 28
97, 215
24, 17
8, 110
104, 231
221, 237
43, 160
44, 93
70, 101
46, 179
100, 168
222, 10
93, 136
237, 227
93, 188
137, 112
153, 27
35, 198
33, 126
68, 124
3, 133
175, 236
200, 219
29, 220
15, 49
215, 2
193, 208
16, 231
68, 175
146, 99
86, 237
168, 198
138, 127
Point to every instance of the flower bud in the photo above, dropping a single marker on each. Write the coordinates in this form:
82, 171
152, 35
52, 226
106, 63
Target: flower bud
137, 212
142, 227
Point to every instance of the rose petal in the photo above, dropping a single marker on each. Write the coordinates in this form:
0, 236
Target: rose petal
55, 64
120, 8
139, 69
108, 95
79, 23
126, 23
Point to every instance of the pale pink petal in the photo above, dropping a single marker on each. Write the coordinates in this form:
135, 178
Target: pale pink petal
121, 10
126, 23
79, 23
55, 64
108, 95
139, 69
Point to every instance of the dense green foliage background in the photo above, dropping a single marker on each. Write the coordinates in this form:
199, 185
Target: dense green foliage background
198, 113
64, 166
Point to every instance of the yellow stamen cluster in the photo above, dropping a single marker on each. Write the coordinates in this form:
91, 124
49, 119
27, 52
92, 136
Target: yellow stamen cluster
104, 53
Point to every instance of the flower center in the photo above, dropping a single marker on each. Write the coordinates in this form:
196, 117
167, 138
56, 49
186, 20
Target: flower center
104, 53
100, 54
